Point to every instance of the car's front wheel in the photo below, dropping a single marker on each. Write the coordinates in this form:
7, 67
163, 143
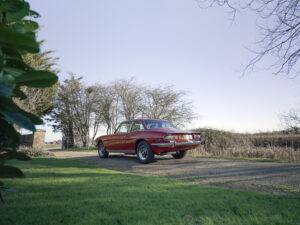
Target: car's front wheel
102, 151
144, 152
179, 154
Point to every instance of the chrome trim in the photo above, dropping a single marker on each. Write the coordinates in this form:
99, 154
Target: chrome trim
120, 151
170, 144
188, 143
174, 143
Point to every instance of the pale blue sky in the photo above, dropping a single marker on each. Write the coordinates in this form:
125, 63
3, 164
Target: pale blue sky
169, 42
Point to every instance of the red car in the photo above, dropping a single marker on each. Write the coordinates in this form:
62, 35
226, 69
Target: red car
146, 138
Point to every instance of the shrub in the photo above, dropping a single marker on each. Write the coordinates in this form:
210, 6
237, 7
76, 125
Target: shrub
80, 149
219, 140
17, 37
277, 146
35, 152
278, 140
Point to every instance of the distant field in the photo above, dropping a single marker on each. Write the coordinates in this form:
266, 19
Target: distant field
61, 191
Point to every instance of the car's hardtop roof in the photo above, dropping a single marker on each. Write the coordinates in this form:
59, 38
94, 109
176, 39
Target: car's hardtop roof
142, 119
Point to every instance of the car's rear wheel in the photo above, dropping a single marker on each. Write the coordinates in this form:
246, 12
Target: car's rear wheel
179, 154
102, 151
144, 152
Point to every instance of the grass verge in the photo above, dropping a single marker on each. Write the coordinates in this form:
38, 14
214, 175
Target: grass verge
60, 191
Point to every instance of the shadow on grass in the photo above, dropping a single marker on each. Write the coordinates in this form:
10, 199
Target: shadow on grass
257, 176
211, 169
50, 162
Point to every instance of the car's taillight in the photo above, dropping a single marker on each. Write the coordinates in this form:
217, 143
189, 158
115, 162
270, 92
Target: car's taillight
169, 138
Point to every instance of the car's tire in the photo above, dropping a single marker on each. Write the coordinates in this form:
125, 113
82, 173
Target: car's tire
102, 151
144, 152
179, 154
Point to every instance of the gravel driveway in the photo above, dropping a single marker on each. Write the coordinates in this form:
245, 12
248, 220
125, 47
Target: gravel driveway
278, 178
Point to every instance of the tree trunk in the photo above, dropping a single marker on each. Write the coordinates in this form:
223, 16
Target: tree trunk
68, 136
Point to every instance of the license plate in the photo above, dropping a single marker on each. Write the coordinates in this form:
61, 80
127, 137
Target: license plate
184, 137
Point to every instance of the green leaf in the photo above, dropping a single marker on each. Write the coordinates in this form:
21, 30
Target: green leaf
15, 72
6, 146
19, 119
15, 114
9, 131
1, 198
13, 39
6, 90
11, 53
34, 119
38, 78
10, 172
29, 26
2, 60
7, 78
34, 14
11, 6
15, 10
17, 63
19, 94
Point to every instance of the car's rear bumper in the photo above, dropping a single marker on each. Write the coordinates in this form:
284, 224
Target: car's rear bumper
174, 146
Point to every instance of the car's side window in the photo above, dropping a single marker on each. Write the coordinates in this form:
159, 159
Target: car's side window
136, 126
123, 128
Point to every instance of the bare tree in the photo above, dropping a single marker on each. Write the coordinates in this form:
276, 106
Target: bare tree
166, 103
101, 99
61, 118
130, 96
132, 100
118, 101
80, 110
82, 101
291, 120
73, 111
279, 26
106, 107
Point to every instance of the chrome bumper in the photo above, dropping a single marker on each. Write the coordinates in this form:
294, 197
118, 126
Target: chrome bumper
174, 144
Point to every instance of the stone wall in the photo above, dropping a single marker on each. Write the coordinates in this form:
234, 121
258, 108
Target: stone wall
35, 140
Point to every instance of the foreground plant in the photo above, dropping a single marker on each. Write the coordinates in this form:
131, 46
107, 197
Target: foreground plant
17, 37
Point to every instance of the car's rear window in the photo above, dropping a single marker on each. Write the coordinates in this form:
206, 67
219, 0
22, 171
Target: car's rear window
151, 124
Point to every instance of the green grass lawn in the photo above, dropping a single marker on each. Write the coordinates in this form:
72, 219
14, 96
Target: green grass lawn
68, 192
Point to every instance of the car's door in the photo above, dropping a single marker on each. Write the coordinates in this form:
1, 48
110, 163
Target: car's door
117, 141
131, 137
